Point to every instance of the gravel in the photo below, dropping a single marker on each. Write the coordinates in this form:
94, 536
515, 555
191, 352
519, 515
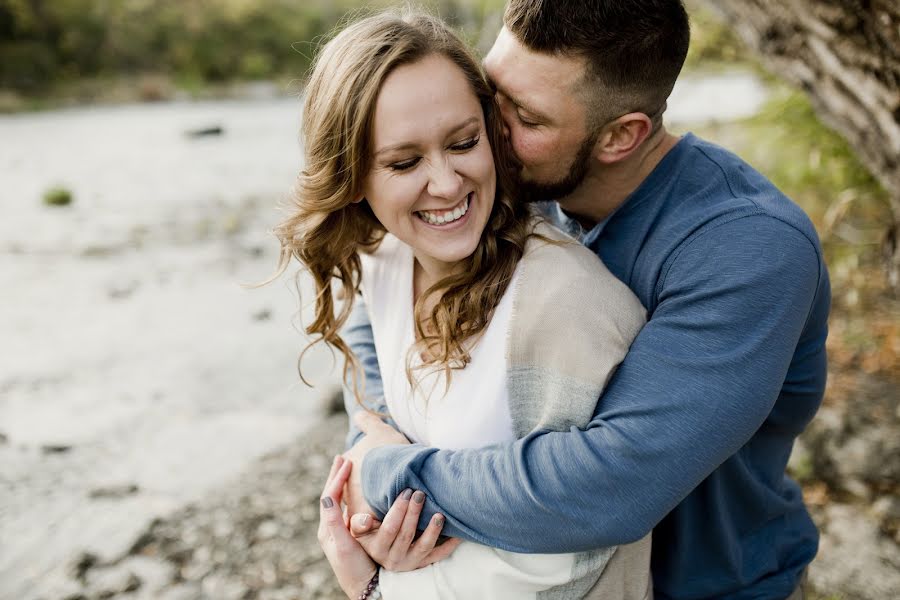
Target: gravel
254, 539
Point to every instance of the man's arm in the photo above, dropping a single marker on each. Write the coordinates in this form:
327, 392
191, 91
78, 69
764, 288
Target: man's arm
697, 383
357, 333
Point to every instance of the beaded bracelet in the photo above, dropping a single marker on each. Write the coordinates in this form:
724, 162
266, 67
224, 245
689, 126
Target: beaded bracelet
372, 591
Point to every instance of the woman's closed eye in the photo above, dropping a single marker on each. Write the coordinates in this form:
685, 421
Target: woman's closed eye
464, 146
404, 165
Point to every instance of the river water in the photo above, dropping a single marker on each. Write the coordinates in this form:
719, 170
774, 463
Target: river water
137, 373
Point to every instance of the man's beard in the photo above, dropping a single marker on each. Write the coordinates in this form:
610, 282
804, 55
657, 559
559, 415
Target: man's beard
537, 191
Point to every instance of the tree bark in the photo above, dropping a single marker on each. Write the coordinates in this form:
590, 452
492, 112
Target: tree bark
846, 55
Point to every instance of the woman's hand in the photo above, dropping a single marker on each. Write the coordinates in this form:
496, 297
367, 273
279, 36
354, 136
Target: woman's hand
391, 543
349, 561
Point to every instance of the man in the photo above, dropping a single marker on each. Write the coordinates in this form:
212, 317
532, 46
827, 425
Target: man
693, 433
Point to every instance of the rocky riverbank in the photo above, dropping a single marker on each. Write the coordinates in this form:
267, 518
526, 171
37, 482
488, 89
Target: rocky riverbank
254, 539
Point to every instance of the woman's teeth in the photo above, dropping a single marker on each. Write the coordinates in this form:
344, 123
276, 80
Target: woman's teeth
446, 216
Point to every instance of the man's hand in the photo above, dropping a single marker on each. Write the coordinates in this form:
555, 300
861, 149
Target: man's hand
393, 543
378, 434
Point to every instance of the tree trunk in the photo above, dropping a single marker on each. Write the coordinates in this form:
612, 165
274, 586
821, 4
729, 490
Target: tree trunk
846, 55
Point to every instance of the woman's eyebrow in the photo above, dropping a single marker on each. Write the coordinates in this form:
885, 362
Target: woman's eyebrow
463, 125
401, 146
410, 145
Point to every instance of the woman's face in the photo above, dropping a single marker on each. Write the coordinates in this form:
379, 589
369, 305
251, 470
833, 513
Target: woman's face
432, 180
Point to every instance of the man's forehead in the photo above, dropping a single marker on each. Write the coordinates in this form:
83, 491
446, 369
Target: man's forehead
522, 71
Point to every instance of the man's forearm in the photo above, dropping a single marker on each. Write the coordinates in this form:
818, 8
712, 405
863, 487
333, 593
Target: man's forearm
549, 492
489, 495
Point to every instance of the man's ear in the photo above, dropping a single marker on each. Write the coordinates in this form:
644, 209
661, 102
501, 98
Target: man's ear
619, 138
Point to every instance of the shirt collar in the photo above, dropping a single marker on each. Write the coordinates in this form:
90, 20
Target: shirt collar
571, 226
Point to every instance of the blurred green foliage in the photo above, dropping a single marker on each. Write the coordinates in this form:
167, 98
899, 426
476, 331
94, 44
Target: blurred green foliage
801, 155
713, 45
209, 40
43, 43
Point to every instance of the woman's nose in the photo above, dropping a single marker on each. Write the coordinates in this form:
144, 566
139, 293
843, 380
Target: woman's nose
444, 181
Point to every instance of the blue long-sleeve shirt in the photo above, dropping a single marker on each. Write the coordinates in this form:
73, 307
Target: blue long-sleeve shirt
693, 433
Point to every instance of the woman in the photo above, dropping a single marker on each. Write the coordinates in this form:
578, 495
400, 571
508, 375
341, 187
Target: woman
407, 198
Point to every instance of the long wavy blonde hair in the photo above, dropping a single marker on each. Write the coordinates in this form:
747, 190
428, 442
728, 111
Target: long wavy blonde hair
326, 230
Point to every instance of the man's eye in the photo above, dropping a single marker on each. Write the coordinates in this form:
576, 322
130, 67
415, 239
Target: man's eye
466, 145
404, 165
525, 122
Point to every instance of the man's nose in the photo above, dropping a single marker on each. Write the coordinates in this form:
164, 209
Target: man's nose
444, 181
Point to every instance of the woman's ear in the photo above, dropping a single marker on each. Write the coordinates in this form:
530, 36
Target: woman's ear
359, 199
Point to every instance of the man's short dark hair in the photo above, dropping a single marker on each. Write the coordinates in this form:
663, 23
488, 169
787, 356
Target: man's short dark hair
634, 48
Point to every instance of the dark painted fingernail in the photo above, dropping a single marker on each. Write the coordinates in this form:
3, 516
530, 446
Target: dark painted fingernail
327, 502
406, 494
439, 520
419, 497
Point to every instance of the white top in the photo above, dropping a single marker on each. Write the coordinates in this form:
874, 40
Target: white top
474, 412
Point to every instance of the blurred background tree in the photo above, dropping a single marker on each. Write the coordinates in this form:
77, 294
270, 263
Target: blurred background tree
845, 54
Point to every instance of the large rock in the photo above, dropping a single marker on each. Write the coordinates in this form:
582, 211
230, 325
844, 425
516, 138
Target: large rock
855, 561
854, 445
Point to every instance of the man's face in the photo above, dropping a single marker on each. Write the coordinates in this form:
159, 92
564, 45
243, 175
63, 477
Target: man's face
546, 119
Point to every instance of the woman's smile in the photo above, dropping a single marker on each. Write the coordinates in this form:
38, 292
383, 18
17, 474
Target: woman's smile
446, 219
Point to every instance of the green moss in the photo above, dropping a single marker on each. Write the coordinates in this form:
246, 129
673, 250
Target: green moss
57, 196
